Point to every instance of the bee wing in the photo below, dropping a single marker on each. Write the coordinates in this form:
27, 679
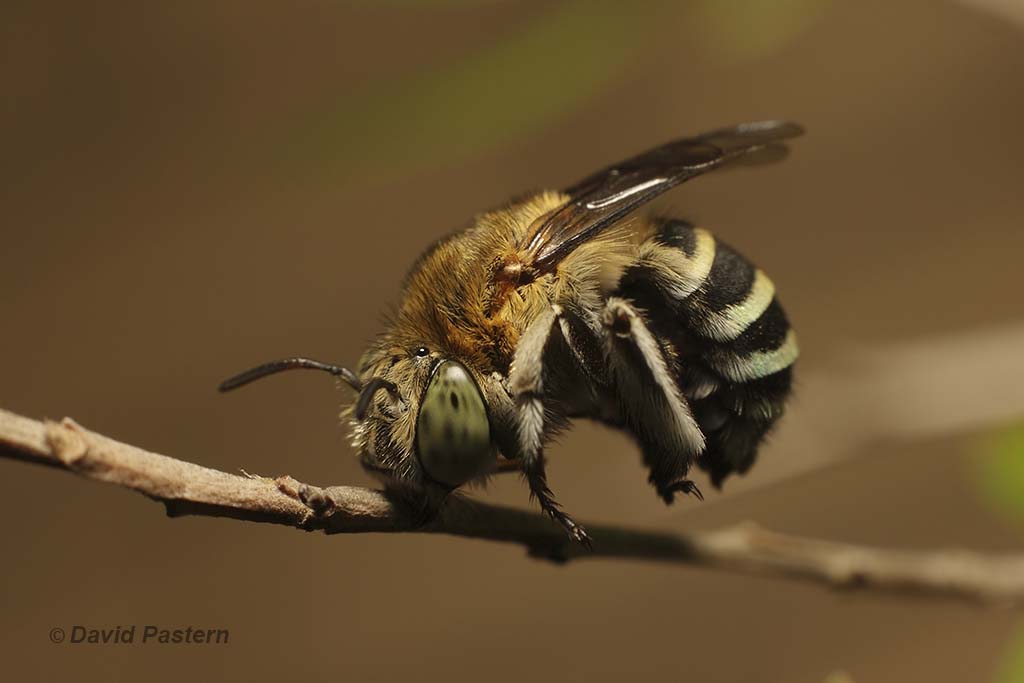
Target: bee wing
599, 200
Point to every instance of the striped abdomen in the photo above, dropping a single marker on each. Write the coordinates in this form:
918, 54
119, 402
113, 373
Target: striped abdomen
731, 346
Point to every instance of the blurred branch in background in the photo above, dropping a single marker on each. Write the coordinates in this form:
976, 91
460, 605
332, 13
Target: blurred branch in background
922, 388
189, 489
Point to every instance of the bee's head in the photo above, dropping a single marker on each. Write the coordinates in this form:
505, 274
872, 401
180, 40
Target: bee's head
417, 414
421, 412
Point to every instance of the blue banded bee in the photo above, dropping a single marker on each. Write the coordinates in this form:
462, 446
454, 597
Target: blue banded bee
560, 306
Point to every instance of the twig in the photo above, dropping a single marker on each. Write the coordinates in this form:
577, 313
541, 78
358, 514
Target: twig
189, 489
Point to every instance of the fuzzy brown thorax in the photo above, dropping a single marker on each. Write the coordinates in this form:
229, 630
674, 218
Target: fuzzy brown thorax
472, 295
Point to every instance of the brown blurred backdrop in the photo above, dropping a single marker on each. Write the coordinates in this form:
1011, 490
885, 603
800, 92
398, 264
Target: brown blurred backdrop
191, 188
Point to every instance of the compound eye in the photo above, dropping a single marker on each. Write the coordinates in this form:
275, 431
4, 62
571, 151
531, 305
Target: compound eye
453, 435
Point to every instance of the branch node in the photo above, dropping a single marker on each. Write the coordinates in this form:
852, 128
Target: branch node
67, 440
288, 485
316, 499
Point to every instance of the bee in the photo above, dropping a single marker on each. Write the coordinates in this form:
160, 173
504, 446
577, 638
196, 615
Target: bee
560, 305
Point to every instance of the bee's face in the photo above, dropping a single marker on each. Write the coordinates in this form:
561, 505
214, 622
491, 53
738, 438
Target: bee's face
435, 422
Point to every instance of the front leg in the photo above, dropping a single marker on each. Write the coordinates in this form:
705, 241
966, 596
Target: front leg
541, 345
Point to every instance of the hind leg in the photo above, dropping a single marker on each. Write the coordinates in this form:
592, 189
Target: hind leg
650, 401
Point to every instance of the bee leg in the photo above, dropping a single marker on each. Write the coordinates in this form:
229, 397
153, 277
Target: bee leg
539, 343
667, 492
650, 400
536, 477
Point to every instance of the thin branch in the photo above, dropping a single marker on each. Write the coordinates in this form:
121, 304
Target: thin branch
189, 489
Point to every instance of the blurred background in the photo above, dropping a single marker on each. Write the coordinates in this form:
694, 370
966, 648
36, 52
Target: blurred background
191, 188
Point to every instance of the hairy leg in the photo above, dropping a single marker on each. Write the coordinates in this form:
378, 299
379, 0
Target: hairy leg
650, 400
543, 345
